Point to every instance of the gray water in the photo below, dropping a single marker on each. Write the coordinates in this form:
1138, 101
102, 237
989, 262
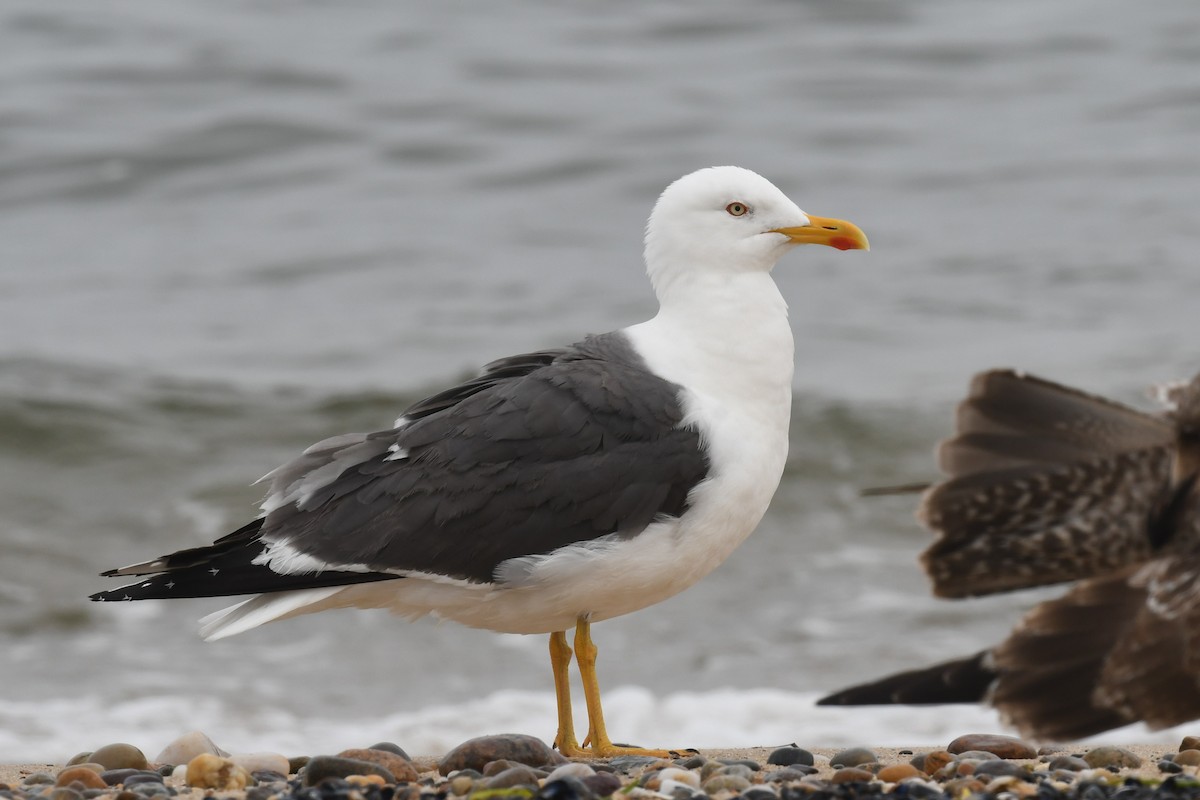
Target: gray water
229, 229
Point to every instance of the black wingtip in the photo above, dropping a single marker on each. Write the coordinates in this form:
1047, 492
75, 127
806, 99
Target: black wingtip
965, 680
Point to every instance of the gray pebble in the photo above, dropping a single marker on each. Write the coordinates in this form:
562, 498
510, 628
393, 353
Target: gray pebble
852, 757
519, 775
998, 768
142, 776
787, 756
65, 793
567, 787
267, 776
759, 793
38, 778
791, 773
1169, 767
602, 784
1111, 757
1069, 763
976, 755
748, 763
114, 776
741, 770
628, 764
321, 767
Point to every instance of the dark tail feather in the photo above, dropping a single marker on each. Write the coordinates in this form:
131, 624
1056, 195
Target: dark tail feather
224, 568
965, 680
900, 488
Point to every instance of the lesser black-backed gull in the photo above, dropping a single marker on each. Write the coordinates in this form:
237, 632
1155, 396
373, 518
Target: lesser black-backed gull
561, 487
1048, 484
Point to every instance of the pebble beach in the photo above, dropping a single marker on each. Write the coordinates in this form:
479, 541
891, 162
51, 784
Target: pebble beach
520, 766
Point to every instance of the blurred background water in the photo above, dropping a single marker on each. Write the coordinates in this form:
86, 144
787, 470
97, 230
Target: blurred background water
229, 229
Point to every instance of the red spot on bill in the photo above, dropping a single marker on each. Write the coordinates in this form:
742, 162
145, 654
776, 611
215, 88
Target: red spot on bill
844, 243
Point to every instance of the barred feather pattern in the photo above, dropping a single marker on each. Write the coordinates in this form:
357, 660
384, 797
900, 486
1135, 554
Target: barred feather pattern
1026, 527
1048, 484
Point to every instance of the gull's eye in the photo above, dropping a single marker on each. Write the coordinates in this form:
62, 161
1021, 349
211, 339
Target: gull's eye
737, 209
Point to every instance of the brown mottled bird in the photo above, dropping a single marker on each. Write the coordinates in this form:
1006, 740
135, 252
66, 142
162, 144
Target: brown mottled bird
1047, 484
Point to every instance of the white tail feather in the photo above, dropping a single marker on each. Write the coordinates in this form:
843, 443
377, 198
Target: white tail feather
262, 609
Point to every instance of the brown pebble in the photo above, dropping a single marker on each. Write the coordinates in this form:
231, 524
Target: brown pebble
88, 777
208, 771
997, 744
1187, 758
1111, 757
477, 752
894, 773
120, 756
851, 775
366, 780
934, 761
1189, 743
401, 768
92, 765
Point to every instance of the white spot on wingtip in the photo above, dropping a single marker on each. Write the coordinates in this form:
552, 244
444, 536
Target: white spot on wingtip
398, 453
282, 558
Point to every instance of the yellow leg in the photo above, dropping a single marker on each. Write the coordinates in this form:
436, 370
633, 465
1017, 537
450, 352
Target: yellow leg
560, 663
600, 745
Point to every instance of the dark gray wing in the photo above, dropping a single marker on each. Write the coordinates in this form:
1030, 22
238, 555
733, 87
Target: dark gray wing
1046, 484
539, 452
587, 445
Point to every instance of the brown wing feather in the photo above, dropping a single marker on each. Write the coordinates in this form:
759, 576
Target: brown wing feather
1153, 673
1049, 666
1046, 484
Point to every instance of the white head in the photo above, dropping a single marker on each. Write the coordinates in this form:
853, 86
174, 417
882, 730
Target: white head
731, 220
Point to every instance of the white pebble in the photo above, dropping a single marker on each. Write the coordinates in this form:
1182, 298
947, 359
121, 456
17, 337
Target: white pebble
187, 747
573, 769
684, 776
261, 762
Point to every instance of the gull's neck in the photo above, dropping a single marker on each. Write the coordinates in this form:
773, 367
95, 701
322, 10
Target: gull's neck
725, 337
